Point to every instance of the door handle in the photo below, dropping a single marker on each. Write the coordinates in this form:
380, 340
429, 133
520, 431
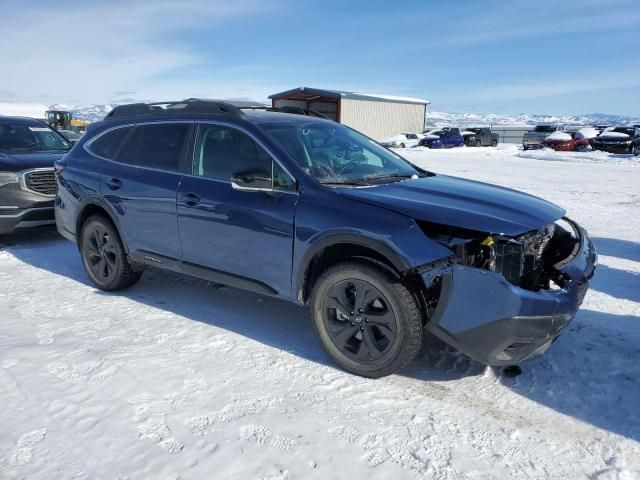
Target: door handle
191, 199
114, 183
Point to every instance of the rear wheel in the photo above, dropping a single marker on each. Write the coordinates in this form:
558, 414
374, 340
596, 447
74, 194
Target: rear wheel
367, 321
402, 145
494, 143
103, 255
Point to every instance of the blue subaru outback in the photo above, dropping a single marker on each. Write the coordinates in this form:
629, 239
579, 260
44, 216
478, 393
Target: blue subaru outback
313, 212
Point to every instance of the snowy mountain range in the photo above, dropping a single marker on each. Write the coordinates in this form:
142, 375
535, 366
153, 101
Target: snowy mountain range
94, 113
442, 119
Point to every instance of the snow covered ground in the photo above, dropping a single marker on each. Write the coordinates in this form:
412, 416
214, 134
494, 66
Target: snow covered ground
177, 378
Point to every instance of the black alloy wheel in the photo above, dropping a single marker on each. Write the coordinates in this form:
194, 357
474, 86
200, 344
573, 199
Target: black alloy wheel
103, 256
359, 320
367, 320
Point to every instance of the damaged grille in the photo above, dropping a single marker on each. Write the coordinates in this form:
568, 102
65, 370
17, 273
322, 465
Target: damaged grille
41, 181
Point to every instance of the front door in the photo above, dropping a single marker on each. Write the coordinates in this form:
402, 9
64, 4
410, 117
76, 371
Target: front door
245, 233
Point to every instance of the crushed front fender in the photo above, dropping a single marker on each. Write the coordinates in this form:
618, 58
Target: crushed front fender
497, 323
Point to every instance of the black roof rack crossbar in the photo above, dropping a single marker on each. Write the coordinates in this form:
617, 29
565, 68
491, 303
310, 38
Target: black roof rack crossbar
183, 106
288, 109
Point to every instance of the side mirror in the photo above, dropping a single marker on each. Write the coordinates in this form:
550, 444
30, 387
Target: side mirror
252, 181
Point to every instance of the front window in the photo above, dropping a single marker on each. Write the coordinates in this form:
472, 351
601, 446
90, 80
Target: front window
223, 152
337, 155
20, 137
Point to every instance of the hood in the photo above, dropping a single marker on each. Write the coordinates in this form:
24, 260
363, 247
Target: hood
17, 161
614, 137
559, 137
461, 203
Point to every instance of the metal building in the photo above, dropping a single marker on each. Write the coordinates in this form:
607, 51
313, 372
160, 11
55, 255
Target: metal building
378, 116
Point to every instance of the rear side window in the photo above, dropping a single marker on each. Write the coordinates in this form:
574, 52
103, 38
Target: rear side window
160, 146
107, 145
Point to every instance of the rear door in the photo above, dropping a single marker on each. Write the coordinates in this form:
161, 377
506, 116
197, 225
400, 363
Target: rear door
248, 234
141, 186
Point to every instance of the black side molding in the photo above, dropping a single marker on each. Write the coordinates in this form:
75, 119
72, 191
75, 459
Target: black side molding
243, 283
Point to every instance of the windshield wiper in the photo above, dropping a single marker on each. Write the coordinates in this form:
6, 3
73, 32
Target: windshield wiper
348, 183
392, 176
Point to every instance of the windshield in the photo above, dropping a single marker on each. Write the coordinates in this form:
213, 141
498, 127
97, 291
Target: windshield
337, 155
545, 128
30, 138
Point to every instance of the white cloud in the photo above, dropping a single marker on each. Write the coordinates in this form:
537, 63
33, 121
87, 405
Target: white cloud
86, 52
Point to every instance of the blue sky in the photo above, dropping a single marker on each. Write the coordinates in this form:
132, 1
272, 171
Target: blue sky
569, 57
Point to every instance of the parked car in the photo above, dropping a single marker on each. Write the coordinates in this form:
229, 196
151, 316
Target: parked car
481, 137
584, 137
313, 212
448, 137
560, 142
28, 149
402, 140
619, 140
535, 138
602, 127
71, 135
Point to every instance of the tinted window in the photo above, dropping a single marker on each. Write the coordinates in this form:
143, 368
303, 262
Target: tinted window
222, 152
107, 145
157, 146
545, 128
454, 131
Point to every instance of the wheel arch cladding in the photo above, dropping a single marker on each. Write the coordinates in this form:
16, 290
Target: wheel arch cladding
96, 207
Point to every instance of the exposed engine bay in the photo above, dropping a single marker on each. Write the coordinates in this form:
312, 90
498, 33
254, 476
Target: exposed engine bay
531, 261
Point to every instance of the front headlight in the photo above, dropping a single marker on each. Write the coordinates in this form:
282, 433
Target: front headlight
7, 178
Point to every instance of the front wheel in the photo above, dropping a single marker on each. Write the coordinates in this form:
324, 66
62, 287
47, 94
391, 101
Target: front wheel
367, 321
103, 256
494, 143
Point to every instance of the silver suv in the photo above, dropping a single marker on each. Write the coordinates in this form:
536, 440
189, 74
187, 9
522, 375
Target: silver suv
534, 138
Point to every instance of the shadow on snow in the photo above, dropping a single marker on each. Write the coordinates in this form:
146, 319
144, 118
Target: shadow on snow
591, 373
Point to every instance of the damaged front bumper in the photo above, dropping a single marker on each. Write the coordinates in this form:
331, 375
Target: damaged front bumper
497, 323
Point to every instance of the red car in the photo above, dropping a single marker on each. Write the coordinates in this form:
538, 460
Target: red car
570, 141
560, 142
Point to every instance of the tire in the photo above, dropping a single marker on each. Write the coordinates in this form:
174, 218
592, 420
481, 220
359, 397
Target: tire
494, 143
104, 257
402, 145
524, 147
378, 340
478, 143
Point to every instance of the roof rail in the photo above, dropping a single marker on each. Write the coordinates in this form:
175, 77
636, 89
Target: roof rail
288, 109
191, 105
